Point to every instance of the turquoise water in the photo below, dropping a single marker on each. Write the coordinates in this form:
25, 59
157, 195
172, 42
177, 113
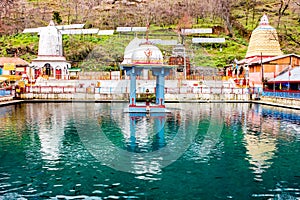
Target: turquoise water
197, 151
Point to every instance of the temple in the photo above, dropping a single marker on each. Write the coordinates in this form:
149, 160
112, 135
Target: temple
263, 41
145, 56
50, 61
264, 59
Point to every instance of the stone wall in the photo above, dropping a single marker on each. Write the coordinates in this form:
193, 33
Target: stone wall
282, 101
75, 96
6, 98
125, 97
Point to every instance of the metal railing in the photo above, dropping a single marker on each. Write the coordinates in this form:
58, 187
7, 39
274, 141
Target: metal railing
5, 92
294, 94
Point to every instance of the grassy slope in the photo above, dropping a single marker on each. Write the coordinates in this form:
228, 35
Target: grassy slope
77, 48
111, 48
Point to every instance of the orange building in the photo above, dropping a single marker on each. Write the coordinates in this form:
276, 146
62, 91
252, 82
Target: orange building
269, 68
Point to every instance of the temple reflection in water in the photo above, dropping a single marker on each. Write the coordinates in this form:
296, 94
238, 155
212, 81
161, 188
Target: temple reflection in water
54, 141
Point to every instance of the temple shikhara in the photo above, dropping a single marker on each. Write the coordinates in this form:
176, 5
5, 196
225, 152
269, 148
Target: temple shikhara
263, 42
50, 61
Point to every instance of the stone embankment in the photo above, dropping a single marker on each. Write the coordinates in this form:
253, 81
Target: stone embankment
6, 98
118, 91
277, 102
282, 102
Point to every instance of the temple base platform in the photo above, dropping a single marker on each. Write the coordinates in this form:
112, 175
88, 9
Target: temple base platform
142, 108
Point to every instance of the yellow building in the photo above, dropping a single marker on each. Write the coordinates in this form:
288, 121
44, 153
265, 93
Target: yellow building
13, 67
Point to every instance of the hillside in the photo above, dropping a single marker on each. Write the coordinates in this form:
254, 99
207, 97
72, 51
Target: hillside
233, 20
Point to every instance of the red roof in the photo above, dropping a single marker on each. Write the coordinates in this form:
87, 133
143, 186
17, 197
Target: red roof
264, 59
16, 60
252, 60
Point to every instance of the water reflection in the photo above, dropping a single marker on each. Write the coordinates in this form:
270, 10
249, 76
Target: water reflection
261, 152
51, 129
265, 127
146, 134
260, 141
211, 131
63, 150
145, 144
145, 130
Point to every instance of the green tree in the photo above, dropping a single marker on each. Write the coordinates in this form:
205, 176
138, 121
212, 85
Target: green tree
56, 17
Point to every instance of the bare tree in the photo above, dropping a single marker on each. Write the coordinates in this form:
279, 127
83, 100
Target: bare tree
5, 5
249, 5
296, 7
223, 9
284, 4
291, 36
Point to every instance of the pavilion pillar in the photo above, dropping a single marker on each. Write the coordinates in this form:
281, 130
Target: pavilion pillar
157, 90
132, 95
160, 74
63, 74
132, 72
160, 87
54, 72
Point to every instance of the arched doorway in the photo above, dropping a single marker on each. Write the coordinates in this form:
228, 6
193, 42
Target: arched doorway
48, 70
37, 72
58, 72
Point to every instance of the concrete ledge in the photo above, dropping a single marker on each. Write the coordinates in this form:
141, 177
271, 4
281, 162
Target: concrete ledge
11, 101
6, 98
208, 101
72, 101
277, 105
281, 102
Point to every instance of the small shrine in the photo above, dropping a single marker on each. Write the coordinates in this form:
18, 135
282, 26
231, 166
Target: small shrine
13, 68
146, 56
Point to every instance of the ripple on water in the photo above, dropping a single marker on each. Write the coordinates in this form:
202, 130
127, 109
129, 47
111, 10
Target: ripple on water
9, 196
100, 185
61, 197
97, 192
146, 178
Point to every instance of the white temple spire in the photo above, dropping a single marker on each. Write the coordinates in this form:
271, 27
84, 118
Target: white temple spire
264, 20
